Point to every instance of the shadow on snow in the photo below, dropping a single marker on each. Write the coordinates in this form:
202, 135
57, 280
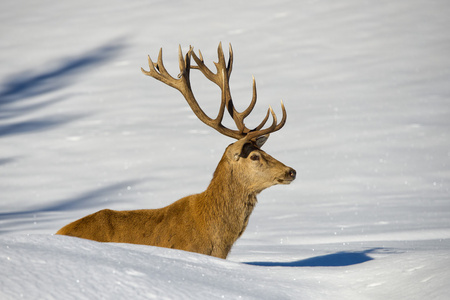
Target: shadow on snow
17, 91
339, 259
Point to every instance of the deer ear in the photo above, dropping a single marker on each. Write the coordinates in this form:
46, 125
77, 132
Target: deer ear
236, 149
260, 140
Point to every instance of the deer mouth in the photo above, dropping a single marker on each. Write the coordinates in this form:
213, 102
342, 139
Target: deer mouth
285, 181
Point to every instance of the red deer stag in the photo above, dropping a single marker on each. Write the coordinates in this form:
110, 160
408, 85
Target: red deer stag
209, 222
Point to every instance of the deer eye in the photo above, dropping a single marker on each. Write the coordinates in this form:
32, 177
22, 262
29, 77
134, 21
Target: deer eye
254, 157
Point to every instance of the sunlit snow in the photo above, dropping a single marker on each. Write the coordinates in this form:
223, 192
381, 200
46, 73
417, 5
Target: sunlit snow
366, 85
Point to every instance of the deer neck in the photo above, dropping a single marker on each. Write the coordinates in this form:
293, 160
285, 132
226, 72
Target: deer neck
228, 199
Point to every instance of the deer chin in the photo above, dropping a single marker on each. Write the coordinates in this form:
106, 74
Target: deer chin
284, 181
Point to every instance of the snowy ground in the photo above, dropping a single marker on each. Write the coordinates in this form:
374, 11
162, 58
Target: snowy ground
367, 89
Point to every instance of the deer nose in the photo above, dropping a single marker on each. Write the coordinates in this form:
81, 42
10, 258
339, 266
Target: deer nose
291, 173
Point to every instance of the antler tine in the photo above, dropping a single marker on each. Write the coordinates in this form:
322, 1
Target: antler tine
151, 66
160, 64
223, 103
274, 127
204, 69
249, 109
221, 61
283, 119
158, 71
200, 58
230, 60
182, 62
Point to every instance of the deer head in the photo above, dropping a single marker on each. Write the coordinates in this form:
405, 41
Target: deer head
244, 154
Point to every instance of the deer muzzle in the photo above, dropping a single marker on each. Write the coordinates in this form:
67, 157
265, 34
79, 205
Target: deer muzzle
289, 176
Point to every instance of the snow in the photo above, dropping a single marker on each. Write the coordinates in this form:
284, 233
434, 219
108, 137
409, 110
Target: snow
366, 87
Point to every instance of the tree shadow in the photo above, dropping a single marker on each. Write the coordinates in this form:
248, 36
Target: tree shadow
91, 199
339, 259
19, 91
36, 125
26, 84
8, 160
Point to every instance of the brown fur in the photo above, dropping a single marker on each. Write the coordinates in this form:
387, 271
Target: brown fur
207, 223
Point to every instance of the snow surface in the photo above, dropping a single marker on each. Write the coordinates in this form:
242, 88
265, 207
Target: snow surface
366, 85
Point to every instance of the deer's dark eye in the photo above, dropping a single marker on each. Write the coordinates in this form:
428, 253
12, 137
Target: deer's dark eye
254, 157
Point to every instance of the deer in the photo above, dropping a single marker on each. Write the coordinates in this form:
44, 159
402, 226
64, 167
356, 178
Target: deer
209, 222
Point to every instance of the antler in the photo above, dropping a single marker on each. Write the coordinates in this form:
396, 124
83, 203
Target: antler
221, 78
